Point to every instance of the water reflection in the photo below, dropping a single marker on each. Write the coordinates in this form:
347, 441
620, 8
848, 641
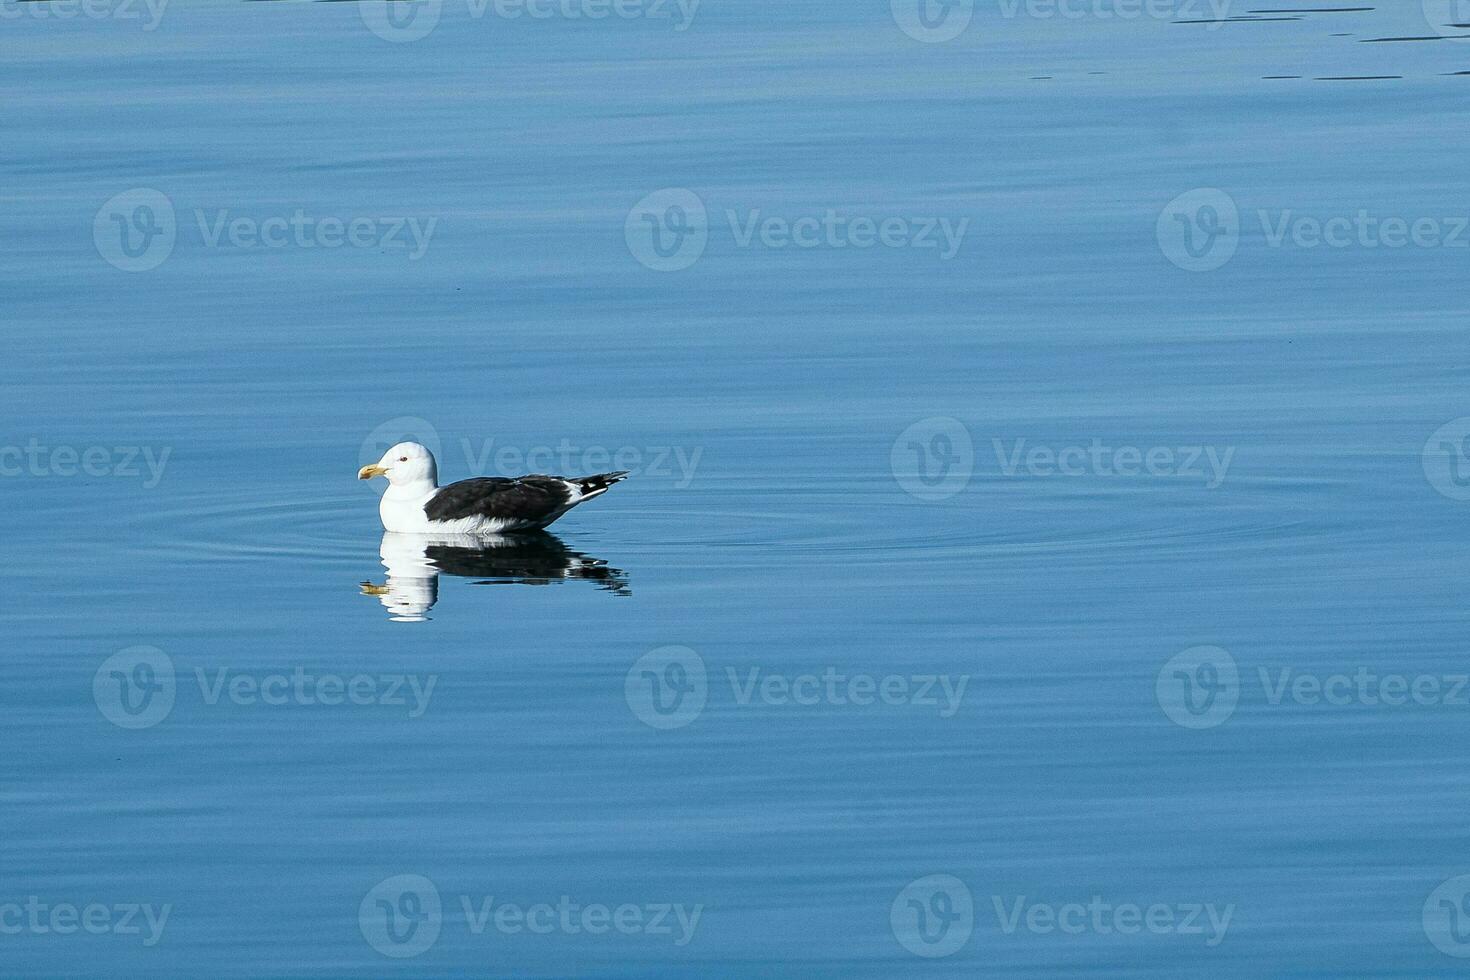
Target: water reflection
415, 561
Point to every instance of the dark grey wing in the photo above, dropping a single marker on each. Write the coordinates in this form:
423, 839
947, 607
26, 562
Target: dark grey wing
527, 498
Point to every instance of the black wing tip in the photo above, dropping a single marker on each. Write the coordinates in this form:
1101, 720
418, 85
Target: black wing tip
599, 481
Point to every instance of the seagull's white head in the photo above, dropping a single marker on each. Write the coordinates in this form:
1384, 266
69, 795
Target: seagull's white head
404, 465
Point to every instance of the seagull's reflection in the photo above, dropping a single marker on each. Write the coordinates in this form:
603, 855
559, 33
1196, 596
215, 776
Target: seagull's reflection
415, 562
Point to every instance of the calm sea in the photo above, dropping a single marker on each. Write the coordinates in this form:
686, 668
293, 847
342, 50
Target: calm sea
1043, 550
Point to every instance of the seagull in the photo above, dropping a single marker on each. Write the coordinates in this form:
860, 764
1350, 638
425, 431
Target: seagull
415, 503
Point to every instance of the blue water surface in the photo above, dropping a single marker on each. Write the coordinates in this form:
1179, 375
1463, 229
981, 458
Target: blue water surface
1042, 550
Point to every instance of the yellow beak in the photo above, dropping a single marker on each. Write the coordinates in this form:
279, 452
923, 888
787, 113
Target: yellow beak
368, 472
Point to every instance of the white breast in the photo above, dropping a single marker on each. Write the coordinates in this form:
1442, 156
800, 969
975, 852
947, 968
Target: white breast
404, 513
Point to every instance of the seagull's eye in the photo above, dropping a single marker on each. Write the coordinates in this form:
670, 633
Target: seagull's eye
402, 459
